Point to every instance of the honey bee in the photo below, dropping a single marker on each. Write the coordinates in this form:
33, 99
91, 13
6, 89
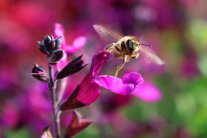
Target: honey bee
125, 47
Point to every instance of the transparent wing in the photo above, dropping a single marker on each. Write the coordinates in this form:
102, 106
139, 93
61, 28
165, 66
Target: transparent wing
106, 33
151, 56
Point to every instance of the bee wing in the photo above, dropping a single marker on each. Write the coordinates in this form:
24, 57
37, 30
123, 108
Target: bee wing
150, 54
106, 33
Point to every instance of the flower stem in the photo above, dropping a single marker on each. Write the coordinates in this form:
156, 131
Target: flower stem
52, 88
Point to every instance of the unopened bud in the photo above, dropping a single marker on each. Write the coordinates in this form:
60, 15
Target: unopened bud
74, 66
49, 44
39, 73
47, 39
56, 56
58, 42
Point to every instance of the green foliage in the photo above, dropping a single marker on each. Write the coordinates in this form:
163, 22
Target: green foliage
91, 132
21, 133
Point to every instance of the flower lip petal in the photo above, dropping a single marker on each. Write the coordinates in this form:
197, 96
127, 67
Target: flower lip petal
147, 92
123, 86
114, 84
133, 78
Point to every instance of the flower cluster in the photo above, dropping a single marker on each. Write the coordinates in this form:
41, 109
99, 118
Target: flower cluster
88, 90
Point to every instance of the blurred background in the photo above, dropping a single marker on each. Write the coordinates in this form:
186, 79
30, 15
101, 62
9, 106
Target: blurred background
177, 30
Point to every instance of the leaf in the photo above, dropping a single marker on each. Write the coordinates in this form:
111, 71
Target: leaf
39, 73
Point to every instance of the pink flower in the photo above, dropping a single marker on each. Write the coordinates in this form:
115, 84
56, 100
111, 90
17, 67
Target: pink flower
131, 83
58, 31
88, 90
10, 115
78, 43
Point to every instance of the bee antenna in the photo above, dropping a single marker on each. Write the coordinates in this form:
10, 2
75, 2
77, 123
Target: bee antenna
145, 45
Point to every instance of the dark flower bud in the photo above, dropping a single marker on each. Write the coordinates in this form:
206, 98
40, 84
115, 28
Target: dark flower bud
47, 39
58, 42
39, 73
49, 44
42, 47
74, 66
56, 56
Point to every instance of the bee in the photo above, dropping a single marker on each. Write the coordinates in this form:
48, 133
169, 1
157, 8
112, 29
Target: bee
125, 47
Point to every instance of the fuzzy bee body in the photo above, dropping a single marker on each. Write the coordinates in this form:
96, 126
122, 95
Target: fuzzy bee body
125, 47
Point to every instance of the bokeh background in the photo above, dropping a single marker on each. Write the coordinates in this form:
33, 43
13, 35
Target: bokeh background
177, 30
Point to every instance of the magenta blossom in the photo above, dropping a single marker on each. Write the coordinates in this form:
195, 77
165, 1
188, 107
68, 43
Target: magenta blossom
130, 83
78, 43
88, 90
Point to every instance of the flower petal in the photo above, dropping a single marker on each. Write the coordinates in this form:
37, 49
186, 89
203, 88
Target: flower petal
114, 84
78, 43
59, 31
89, 90
147, 92
97, 62
132, 78
88, 93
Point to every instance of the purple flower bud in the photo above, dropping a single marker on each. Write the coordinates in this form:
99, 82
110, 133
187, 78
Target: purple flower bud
74, 66
47, 39
58, 42
39, 73
56, 56
42, 47
49, 44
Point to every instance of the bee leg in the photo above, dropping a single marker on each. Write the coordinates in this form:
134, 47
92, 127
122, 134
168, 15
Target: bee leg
121, 65
135, 55
110, 47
